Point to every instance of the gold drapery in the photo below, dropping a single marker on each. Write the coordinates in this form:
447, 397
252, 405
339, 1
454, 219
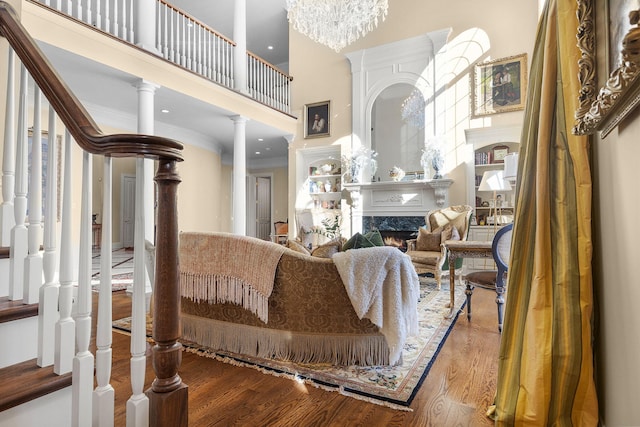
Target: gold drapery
546, 367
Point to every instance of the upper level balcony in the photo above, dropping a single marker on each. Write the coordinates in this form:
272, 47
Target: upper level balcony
195, 67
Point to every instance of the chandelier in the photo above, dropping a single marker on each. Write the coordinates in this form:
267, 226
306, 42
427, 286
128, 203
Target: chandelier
335, 23
413, 109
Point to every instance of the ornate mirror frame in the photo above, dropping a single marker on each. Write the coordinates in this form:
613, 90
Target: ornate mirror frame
605, 109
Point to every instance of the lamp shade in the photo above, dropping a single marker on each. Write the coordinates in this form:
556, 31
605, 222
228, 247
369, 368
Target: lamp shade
493, 180
511, 165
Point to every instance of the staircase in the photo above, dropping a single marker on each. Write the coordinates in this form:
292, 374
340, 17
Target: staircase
47, 372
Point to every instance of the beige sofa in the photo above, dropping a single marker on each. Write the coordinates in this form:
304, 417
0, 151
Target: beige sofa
305, 316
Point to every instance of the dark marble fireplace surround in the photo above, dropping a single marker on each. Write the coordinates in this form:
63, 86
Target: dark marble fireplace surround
395, 230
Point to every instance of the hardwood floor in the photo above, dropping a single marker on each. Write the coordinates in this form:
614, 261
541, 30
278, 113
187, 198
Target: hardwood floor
456, 392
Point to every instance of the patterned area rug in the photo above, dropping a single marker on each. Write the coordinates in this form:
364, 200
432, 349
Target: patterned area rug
394, 387
118, 282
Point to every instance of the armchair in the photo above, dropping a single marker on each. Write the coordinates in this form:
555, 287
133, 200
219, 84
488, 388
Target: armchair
435, 260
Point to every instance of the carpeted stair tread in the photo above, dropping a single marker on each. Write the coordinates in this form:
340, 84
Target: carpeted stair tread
27, 381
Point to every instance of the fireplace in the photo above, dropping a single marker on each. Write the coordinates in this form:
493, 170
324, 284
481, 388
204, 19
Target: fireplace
395, 230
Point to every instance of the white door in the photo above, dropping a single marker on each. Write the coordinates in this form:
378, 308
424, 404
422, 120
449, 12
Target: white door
263, 207
128, 210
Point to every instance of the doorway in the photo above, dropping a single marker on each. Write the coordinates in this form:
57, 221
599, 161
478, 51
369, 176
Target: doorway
259, 206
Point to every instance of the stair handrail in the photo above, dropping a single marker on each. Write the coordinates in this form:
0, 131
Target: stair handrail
168, 395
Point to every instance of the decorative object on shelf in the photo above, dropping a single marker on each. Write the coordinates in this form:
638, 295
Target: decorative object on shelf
413, 109
396, 174
327, 168
493, 180
316, 119
361, 159
432, 156
335, 23
499, 85
499, 153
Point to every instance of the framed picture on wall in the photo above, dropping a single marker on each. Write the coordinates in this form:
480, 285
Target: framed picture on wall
316, 119
602, 109
499, 86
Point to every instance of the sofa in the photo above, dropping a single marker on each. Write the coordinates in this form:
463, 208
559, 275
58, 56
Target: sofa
244, 295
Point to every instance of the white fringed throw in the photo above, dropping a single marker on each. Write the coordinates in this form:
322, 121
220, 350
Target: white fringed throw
223, 267
383, 287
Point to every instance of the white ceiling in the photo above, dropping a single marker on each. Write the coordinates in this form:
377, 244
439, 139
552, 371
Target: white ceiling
105, 89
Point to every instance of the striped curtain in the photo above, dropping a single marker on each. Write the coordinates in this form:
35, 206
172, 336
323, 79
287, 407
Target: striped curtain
546, 367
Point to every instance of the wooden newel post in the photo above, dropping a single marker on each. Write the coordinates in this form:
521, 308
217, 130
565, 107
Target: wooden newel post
168, 395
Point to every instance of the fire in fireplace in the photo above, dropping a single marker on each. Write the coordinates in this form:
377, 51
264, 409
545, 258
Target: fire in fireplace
398, 238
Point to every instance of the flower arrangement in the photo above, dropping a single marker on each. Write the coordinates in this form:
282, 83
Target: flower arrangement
330, 227
432, 156
361, 160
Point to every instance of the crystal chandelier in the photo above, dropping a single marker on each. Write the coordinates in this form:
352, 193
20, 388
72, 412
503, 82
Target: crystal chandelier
413, 109
335, 23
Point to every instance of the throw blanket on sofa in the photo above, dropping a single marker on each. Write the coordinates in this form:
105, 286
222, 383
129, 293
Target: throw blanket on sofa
222, 267
383, 287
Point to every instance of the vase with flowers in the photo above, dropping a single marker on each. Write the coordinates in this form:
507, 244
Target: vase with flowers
432, 156
362, 160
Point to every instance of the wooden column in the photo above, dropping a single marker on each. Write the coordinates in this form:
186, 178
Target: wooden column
168, 395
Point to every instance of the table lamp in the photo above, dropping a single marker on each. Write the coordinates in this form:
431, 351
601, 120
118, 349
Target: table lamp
493, 180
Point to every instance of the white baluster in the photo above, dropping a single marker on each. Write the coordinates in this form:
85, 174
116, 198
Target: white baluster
138, 403
82, 385
19, 239
98, 22
89, 13
172, 38
33, 262
131, 32
65, 328
79, 10
116, 29
107, 15
103, 396
7, 218
48, 309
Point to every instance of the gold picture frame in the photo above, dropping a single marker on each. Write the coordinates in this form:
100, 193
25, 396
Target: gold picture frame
499, 85
317, 119
604, 108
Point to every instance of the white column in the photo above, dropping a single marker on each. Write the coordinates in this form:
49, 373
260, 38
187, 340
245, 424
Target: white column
146, 25
239, 176
240, 50
146, 93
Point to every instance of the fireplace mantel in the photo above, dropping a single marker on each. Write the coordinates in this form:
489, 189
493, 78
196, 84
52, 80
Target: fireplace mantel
401, 198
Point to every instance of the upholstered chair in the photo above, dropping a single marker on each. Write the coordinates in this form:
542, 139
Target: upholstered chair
427, 252
493, 279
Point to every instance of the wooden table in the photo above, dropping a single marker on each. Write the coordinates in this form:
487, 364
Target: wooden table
463, 249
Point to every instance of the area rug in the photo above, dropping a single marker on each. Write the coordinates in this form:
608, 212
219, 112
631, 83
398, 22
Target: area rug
394, 387
118, 282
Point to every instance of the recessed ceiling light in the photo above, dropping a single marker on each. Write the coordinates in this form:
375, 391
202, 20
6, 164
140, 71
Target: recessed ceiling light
260, 139
270, 47
165, 111
268, 148
257, 152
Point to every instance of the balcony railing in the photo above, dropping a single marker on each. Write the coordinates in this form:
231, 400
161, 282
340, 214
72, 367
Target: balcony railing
185, 41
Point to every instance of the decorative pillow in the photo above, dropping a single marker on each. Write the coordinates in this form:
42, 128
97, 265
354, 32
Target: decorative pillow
455, 235
328, 249
357, 241
306, 237
429, 241
297, 246
375, 237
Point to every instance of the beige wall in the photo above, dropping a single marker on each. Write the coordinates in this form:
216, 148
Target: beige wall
617, 285
321, 74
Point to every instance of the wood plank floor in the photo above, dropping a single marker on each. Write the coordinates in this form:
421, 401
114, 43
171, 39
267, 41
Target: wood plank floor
456, 392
